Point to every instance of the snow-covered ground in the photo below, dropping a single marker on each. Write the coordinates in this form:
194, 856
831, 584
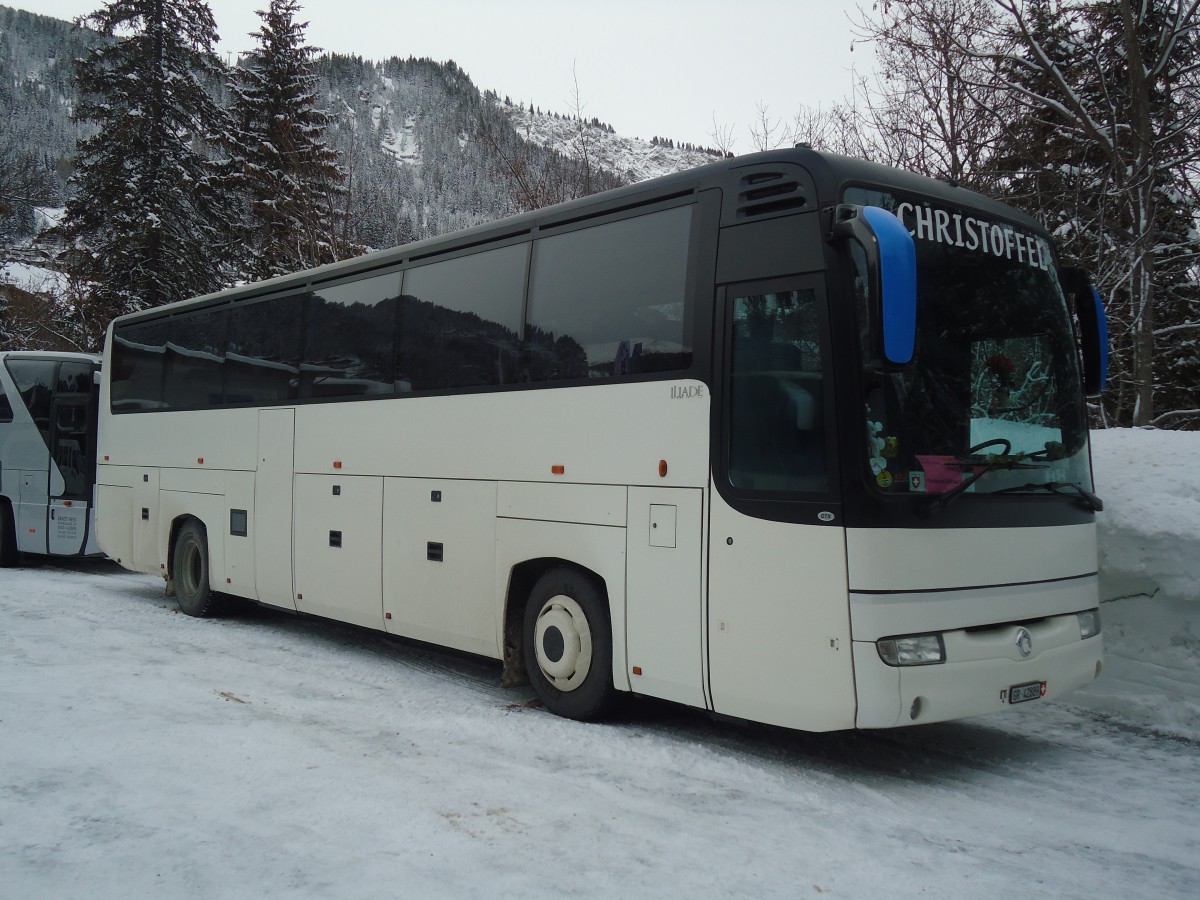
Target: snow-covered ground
33, 278
144, 753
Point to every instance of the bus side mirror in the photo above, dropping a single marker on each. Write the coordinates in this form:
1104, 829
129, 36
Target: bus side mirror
891, 264
1093, 329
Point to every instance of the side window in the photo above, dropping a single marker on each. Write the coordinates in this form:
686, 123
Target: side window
262, 358
6, 413
610, 300
461, 319
776, 435
35, 383
350, 340
137, 366
194, 360
75, 378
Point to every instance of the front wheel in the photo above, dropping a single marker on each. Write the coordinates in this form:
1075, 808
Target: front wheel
568, 645
189, 571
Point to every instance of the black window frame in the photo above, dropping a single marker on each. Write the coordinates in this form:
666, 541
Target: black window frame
808, 507
697, 278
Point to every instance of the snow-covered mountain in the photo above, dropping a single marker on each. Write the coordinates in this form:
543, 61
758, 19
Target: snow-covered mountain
631, 159
425, 149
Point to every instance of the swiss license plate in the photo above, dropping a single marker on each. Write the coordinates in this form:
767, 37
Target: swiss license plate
1021, 692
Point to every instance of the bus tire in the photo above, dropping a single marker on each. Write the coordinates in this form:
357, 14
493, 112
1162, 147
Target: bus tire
8, 537
189, 571
567, 641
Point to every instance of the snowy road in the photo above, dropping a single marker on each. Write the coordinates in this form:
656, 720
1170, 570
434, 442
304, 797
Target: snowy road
143, 753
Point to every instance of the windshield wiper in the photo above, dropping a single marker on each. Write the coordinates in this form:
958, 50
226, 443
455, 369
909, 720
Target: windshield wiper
1094, 503
1016, 461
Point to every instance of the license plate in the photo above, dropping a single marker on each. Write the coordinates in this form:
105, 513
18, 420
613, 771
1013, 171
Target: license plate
1022, 692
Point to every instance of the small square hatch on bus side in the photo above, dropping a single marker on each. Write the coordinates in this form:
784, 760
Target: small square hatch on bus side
662, 525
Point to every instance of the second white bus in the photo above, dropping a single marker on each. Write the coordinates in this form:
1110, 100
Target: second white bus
48, 412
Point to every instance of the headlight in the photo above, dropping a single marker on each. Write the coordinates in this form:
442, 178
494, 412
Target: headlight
1089, 623
915, 650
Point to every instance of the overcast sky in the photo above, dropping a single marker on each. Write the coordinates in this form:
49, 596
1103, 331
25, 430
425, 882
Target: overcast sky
644, 66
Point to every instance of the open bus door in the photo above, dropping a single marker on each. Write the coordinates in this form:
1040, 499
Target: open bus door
74, 457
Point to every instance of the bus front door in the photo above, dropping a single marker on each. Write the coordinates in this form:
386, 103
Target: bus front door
72, 473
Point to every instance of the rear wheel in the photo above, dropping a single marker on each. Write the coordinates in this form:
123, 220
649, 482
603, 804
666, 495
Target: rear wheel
8, 537
568, 645
189, 570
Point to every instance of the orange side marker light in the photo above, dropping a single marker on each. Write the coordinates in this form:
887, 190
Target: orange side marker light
558, 470
662, 468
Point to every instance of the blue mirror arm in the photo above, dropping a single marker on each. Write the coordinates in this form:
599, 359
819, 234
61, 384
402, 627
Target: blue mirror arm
898, 284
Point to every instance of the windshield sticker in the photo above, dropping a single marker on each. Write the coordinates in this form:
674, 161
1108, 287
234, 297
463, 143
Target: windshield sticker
942, 473
916, 481
974, 235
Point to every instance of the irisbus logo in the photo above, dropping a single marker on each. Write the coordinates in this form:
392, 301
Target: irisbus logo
686, 391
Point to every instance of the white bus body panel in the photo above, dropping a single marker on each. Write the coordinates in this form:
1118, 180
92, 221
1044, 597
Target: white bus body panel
114, 518
239, 547
270, 525
959, 584
339, 547
778, 625
31, 510
665, 618
923, 559
67, 527
280, 464
439, 561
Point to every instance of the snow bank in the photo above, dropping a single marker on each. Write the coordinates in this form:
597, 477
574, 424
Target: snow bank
1149, 536
1150, 527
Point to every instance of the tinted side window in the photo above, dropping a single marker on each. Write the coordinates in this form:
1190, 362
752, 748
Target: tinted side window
610, 300
350, 343
262, 362
195, 359
35, 384
6, 413
461, 320
75, 378
777, 416
137, 366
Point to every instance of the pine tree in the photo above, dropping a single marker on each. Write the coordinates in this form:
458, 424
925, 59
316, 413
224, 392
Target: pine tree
286, 172
147, 215
1102, 153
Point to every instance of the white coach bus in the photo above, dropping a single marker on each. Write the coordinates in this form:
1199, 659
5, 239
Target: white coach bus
48, 410
790, 438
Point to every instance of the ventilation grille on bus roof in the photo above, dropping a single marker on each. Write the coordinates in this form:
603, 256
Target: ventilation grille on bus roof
765, 193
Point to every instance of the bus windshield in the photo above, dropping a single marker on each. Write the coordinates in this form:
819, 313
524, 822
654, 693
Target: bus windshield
993, 396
